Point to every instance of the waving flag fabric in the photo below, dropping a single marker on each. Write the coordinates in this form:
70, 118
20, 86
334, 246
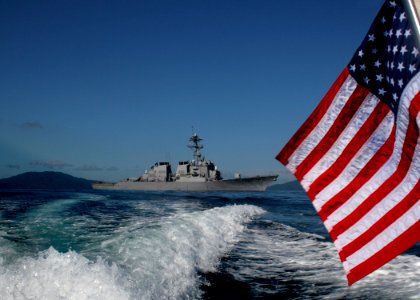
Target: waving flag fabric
358, 154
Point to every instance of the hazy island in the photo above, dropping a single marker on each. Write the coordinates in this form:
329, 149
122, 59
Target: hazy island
45, 180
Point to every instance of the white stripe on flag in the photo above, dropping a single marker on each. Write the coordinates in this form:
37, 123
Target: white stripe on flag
364, 155
324, 125
342, 141
384, 238
389, 202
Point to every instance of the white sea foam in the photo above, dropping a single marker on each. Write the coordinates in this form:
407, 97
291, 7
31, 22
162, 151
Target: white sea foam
54, 275
158, 260
7, 249
306, 265
163, 258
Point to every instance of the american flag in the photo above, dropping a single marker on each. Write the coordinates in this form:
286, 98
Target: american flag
358, 154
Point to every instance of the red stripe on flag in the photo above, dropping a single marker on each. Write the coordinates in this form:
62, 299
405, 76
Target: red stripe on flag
409, 146
390, 217
370, 169
364, 133
396, 247
312, 121
344, 117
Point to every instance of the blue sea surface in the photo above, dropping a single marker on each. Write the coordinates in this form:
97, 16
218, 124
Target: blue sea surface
135, 245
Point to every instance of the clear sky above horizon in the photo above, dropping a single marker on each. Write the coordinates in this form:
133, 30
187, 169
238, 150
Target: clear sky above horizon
103, 89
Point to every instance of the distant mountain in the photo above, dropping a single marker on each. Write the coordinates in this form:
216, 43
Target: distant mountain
288, 186
45, 180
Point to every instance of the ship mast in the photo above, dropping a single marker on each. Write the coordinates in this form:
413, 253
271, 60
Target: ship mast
196, 147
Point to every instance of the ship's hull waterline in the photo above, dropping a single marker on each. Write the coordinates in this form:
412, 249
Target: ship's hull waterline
252, 184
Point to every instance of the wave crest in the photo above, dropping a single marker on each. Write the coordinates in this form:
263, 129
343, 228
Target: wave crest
54, 275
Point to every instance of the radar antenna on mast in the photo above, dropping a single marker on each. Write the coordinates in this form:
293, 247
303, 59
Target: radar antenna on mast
196, 147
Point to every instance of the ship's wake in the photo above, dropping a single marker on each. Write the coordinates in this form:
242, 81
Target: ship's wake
157, 260
280, 261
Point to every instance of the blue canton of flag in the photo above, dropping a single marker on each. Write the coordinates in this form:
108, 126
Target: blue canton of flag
387, 59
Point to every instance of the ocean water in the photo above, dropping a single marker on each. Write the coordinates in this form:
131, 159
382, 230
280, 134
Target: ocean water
133, 245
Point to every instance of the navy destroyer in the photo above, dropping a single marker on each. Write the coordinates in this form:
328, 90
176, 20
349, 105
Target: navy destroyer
196, 175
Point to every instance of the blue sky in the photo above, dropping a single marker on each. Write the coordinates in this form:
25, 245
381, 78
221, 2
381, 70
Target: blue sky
103, 89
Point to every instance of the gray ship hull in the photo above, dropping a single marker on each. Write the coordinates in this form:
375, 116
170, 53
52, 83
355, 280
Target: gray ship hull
252, 184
